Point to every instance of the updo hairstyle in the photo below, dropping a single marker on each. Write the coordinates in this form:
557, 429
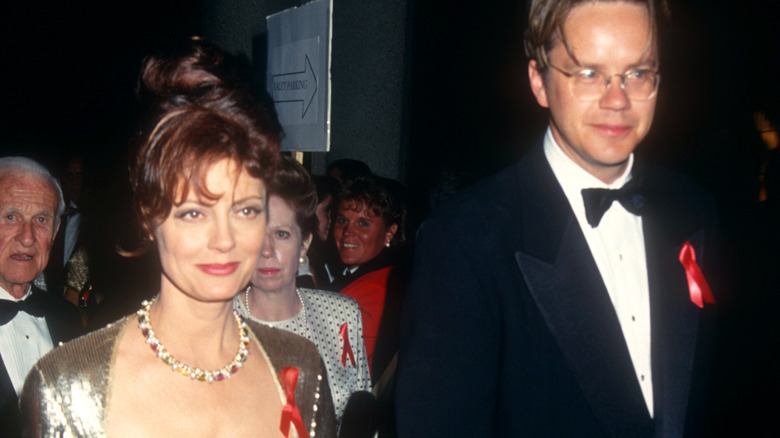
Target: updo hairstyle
200, 112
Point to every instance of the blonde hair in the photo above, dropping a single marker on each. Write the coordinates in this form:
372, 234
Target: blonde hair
546, 19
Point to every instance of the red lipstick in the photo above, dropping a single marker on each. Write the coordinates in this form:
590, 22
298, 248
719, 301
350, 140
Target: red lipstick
219, 269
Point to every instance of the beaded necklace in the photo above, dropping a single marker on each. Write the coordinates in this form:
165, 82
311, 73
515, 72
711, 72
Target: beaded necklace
184, 369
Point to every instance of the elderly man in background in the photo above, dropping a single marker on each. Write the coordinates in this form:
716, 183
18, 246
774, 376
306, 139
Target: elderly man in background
32, 321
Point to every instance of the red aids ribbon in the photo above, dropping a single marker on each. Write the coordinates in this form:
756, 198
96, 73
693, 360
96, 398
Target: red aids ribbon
290, 412
699, 289
347, 349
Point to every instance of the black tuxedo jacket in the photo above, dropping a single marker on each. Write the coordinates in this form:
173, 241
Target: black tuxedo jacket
64, 323
508, 329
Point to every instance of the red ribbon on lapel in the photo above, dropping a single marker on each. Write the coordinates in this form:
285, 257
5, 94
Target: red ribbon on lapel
699, 289
290, 412
347, 349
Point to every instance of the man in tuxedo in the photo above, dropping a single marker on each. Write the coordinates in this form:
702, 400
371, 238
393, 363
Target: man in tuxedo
32, 321
539, 307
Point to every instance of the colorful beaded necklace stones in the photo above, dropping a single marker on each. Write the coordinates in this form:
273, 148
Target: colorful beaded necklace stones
184, 369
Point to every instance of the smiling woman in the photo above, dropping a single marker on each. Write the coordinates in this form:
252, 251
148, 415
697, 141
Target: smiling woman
368, 229
204, 234
199, 196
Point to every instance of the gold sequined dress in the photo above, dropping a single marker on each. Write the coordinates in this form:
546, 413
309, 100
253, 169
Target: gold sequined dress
66, 392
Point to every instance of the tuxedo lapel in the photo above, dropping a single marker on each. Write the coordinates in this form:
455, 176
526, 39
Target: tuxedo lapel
674, 327
675, 319
7, 391
564, 281
9, 406
62, 318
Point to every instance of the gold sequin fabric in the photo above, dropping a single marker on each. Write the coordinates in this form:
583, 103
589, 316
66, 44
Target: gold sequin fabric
65, 394
78, 270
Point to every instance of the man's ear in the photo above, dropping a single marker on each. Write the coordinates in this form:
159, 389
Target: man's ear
537, 84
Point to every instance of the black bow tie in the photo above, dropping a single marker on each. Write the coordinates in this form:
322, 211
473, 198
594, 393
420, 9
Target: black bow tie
9, 309
598, 201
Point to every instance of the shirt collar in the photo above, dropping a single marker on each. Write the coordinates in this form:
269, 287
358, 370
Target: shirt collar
574, 178
349, 270
571, 174
5, 295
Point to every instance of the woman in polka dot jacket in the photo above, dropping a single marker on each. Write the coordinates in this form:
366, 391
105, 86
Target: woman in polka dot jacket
330, 320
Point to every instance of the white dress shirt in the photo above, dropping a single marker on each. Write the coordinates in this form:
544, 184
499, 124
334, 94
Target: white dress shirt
23, 341
618, 246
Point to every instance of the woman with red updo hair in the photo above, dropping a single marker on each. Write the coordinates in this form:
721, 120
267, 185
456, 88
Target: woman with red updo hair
186, 364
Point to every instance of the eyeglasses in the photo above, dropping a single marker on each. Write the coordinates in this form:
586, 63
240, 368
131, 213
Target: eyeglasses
588, 84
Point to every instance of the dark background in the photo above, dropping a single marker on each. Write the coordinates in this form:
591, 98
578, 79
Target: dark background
69, 70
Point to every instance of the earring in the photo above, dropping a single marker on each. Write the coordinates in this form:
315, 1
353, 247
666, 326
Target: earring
302, 260
387, 244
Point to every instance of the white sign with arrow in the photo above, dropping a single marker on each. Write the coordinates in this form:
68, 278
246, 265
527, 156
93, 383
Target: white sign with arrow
295, 90
298, 76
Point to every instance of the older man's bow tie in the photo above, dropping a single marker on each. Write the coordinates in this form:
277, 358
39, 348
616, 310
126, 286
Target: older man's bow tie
598, 201
9, 309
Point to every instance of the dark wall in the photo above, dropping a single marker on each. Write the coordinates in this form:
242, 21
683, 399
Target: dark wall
368, 74
472, 106
69, 70
417, 84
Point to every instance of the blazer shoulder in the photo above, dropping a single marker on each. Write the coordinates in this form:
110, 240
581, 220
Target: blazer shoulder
376, 279
329, 299
285, 348
62, 317
677, 200
675, 184
55, 304
312, 393
331, 309
492, 198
